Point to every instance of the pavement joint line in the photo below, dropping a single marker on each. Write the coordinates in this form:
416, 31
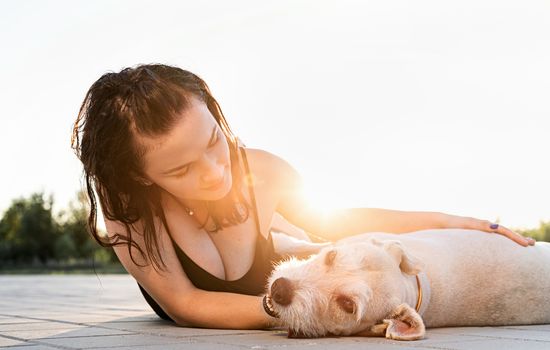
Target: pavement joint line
119, 321
138, 346
371, 340
497, 337
53, 345
38, 342
175, 336
16, 338
68, 337
523, 329
448, 345
443, 346
64, 322
510, 338
240, 346
425, 346
45, 319
469, 341
270, 346
10, 323
130, 330
91, 307
381, 342
88, 336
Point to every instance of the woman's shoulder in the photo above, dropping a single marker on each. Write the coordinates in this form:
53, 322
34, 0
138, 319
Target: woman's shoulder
266, 162
272, 170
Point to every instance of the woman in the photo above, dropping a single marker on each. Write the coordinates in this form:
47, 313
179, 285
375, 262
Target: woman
188, 210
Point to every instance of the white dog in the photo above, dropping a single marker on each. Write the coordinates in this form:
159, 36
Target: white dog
394, 285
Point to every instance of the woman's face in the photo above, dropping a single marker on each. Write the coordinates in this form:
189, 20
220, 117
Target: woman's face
192, 161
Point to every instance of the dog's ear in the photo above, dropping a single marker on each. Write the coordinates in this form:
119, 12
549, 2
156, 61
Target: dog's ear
402, 324
407, 262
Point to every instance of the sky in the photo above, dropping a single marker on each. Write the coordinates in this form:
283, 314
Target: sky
408, 105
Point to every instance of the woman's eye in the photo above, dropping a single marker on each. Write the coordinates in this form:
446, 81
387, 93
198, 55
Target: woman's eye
186, 169
183, 173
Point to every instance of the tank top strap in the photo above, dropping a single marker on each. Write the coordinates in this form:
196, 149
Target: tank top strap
249, 183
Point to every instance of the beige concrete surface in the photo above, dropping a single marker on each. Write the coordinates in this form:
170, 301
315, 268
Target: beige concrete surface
107, 311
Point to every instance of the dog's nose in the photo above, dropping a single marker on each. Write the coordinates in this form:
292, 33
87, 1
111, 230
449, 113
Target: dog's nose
282, 291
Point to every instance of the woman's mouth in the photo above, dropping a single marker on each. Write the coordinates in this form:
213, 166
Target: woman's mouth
216, 186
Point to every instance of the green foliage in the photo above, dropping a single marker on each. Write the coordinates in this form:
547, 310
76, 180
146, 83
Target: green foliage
64, 247
28, 230
104, 256
31, 235
542, 233
75, 226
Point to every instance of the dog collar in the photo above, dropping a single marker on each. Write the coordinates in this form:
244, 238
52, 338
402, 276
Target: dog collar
424, 293
419, 299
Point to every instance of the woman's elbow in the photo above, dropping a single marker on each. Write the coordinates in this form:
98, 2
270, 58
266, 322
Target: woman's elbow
181, 312
181, 322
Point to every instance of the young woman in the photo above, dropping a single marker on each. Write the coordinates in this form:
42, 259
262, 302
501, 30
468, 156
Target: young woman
188, 209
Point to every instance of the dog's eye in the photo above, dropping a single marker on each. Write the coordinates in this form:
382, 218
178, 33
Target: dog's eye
329, 258
346, 304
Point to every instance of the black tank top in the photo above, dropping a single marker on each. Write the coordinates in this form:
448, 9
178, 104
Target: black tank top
252, 282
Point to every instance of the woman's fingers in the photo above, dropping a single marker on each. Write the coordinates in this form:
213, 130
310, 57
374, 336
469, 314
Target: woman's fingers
516, 237
452, 221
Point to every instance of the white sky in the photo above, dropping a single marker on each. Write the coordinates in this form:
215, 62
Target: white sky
412, 105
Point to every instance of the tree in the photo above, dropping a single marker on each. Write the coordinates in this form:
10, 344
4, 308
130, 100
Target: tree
11, 245
28, 230
541, 233
30, 233
75, 228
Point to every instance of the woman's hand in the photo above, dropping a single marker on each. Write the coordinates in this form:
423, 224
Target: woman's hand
452, 221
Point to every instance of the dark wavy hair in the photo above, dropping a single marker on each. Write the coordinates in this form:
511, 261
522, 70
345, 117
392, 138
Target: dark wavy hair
144, 100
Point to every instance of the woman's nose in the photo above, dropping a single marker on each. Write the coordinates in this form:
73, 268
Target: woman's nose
213, 172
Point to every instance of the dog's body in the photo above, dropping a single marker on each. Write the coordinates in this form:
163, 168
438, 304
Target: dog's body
478, 278
474, 278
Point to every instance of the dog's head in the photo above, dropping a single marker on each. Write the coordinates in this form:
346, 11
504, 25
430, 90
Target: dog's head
349, 289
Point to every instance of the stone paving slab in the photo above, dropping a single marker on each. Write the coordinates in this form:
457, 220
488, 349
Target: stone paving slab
108, 312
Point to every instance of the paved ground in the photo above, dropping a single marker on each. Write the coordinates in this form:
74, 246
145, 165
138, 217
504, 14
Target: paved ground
89, 312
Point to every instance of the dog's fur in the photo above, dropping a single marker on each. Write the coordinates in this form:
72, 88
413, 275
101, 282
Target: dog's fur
365, 285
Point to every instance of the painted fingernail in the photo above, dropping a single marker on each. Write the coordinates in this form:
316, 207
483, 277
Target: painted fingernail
494, 226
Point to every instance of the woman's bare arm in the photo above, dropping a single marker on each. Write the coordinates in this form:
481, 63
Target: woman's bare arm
181, 300
294, 206
336, 224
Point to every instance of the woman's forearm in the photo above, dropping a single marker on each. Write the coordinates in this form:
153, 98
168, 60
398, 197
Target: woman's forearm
223, 310
346, 222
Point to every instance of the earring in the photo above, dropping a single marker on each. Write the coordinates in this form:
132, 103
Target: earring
145, 182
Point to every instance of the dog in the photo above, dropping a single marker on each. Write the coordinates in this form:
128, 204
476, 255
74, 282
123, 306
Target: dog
394, 286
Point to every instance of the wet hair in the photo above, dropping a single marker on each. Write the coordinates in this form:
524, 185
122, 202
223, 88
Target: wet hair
145, 100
